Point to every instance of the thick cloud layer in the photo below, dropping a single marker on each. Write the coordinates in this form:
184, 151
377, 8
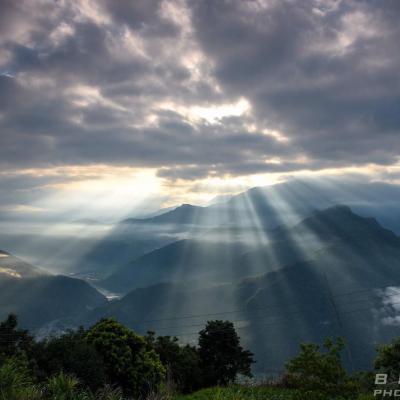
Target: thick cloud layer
200, 88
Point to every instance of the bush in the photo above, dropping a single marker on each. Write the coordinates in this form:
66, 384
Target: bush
181, 362
109, 393
319, 373
62, 387
16, 381
127, 359
13, 341
388, 360
71, 354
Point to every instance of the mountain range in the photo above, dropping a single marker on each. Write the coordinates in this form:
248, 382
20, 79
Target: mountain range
333, 260
287, 264
98, 250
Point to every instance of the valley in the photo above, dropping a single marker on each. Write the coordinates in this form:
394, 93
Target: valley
311, 269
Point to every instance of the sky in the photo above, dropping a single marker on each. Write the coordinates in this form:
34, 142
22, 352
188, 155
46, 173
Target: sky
111, 105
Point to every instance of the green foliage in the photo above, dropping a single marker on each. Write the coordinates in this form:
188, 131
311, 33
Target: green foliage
257, 393
365, 381
111, 362
318, 373
13, 341
240, 393
16, 381
181, 362
62, 387
222, 356
109, 393
388, 359
128, 361
72, 354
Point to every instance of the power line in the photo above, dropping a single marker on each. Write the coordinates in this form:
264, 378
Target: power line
286, 317
338, 319
254, 310
269, 316
251, 311
338, 313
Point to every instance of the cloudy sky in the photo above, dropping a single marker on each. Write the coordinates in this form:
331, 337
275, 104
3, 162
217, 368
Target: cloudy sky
110, 103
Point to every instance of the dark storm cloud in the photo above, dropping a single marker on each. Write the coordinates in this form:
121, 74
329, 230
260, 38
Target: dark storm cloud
115, 82
326, 73
141, 15
102, 137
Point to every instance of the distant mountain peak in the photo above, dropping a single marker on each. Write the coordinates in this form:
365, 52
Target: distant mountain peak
341, 221
187, 205
342, 207
181, 214
333, 212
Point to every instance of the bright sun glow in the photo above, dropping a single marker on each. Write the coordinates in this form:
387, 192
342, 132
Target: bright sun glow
212, 113
216, 112
110, 193
106, 192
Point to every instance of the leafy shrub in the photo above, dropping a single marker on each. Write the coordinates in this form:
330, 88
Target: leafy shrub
127, 359
319, 373
15, 379
109, 393
62, 387
181, 362
71, 354
388, 360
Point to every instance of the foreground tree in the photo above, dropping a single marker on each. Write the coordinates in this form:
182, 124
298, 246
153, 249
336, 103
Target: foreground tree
128, 361
388, 360
315, 370
181, 362
13, 341
222, 356
72, 354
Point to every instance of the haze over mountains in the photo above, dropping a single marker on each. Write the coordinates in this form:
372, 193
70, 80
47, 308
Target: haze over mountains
39, 298
320, 258
333, 251
97, 249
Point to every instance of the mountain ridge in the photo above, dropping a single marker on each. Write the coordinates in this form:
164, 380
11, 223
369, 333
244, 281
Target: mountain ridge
38, 297
352, 272
188, 259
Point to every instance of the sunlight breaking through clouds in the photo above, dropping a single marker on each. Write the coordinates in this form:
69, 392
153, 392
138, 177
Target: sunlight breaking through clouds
199, 96
213, 113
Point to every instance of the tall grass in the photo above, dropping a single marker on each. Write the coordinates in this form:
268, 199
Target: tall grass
262, 393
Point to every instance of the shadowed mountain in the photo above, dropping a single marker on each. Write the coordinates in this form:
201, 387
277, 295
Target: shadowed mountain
339, 223
241, 211
184, 214
290, 202
117, 249
192, 261
39, 298
273, 313
336, 233
339, 286
248, 217
97, 253
244, 218
205, 262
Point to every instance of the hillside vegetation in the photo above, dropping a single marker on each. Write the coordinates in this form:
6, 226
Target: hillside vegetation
111, 362
253, 393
